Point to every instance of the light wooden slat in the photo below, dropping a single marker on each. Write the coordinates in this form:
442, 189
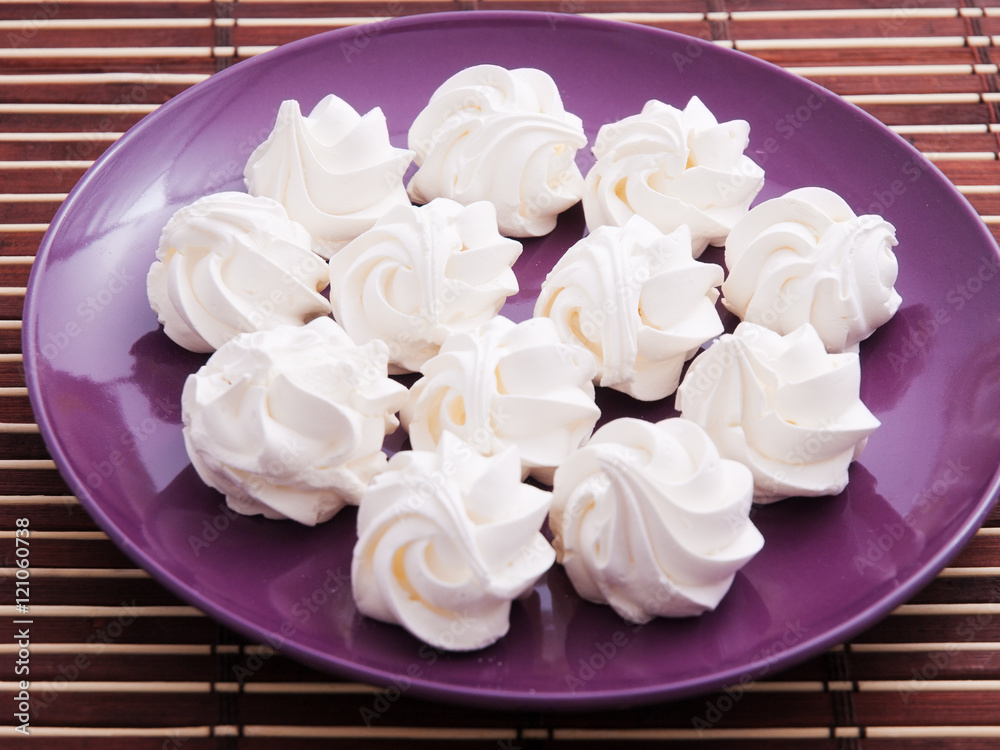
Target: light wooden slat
892, 648
38, 500
898, 42
929, 686
84, 79
77, 572
100, 24
99, 686
53, 610
85, 53
972, 608
673, 735
172, 733
95, 135
15, 428
848, 14
964, 732
22, 229
123, 649
27, 464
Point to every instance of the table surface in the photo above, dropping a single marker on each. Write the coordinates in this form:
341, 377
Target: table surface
119, 662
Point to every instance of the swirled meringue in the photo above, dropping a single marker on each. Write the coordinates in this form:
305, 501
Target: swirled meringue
289, 422
638, 301
504, 385
447, 539
500, 135
673, 167
420, 274
334, 171
230, 263
783, 406
806, 257
650, 519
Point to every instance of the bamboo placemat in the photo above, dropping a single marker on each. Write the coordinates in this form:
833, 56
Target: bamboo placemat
118, 662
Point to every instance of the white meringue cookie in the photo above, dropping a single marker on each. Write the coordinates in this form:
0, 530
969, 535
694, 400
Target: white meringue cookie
638, 301
673, 167
420, 274
500, 135
230, 263
650, 519
289, 422
806, 257
505, 385
447, 539
783, 406
334, 171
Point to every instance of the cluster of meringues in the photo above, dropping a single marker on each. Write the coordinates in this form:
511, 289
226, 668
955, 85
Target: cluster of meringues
288, 416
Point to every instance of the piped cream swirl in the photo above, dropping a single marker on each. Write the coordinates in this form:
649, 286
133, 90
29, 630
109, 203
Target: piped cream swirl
503, 136
420, 274
447, 539
638, 301
505, 385
782, 405
230, 263
673, 167
289, 422
806, 257
650, 519
335, 171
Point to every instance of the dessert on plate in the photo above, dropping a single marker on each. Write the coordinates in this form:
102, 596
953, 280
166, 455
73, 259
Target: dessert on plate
420, 274
334, 170
673, 167
636, 299
781, 405
649, 519
806, 257
289, 422
506, 385
229, 263
504, 136
447, 539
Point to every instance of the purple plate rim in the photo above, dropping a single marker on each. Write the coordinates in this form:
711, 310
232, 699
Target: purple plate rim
505, 699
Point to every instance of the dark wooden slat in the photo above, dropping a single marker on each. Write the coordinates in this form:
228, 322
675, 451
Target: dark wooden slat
87, 664
130, 629
912, 708
68, 553
27, 212
10, 341
933, 629
982, 551
146, 9
15, 445
12, 274
64, 515
15, 409
957, 590
943, 662
43, 179
144, 89
79, 591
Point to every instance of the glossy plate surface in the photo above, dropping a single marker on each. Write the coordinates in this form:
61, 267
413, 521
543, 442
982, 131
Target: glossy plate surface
105, 382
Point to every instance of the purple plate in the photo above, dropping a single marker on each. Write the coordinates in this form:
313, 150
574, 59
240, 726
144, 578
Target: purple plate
105, 381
